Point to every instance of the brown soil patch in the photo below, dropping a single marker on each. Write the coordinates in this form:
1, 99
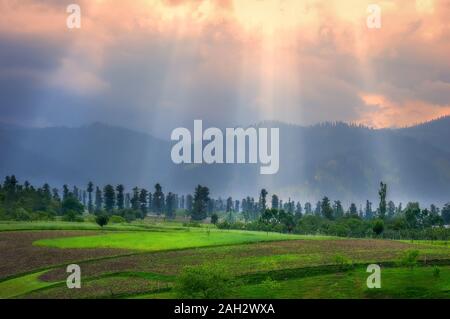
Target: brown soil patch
18, 255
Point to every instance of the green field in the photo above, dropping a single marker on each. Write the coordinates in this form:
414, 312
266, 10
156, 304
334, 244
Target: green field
167, 239
145, 260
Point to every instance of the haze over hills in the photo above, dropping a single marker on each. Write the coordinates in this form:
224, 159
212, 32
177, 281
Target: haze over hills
338, 160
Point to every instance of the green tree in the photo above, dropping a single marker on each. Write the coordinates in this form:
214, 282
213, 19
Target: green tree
90, 189
412, 215
135, 199
158, 200
326, 209
65, 191
71, 203
262, 200
298, 210
382, 207
109, 197
98, 199
229, 208
391, 209
189, 202
445, 213
170, 205
368, 213
353, 211
143, 202
200, 204
120, 196
308, 208
338, 210
275, 201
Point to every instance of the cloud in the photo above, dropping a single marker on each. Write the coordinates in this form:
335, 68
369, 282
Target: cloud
158, 64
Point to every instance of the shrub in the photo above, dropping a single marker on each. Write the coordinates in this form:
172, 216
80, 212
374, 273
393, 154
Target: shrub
102, 220
343, 262
378, 227
214, 219
204, 282
409, 258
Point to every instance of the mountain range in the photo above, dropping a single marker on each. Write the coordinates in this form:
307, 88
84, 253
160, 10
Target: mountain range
342, 161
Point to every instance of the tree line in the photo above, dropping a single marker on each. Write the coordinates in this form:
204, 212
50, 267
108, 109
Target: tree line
26, 202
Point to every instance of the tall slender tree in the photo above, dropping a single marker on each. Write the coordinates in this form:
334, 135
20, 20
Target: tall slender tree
135, 199
120, 196
326, 209
143, 202
90, 189
275, 201
200, 205
158, 199
382, 207
262, 200
109, 197
98, 200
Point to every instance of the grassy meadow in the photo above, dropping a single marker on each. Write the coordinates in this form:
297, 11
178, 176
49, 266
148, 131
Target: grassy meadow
148, 259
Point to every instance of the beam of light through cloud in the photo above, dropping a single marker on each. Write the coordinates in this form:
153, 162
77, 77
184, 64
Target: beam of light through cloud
158, 64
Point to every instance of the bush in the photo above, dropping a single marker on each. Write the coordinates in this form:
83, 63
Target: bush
102, 220
114, 219
409, 258
343, 262
378, 227
203, 282
214, 219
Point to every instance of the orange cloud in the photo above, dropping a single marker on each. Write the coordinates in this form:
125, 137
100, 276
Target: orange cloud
380, 112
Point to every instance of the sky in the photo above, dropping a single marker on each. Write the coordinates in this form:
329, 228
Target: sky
154, 65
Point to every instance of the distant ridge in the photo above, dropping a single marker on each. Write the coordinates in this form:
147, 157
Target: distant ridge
340, 160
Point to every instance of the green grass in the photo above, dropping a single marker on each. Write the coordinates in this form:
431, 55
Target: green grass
395, 283
164, 240
21, 285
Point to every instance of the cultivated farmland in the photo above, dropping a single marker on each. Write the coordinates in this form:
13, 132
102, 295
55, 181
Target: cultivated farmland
145, 260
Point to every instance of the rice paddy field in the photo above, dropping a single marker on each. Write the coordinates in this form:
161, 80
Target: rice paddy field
145, 260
